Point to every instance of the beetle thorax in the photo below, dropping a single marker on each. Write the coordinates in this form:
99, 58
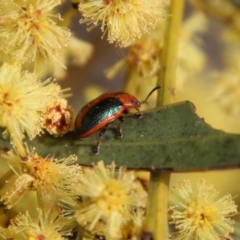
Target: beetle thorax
130, 101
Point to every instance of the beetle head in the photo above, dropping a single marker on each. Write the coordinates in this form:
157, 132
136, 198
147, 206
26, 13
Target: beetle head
130, 101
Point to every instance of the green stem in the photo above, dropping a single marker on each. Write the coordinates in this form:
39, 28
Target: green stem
161, 225
168, 59
156, 219
156, 224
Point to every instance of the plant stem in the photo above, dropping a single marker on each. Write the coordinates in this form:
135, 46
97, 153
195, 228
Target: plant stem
17, 141
156, 226
168, 58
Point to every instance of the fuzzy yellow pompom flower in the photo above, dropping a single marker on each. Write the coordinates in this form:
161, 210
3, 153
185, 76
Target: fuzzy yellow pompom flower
29, 28
112, 199
47, 226
54, 180
123, 21
23, 98
58, 117
201, 214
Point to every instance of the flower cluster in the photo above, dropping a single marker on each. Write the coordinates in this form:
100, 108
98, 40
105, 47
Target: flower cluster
123, 21
113, 202
28, 29
142, 61
201, 214
58, 117
47, 226
23, 100
97, 202
54, 180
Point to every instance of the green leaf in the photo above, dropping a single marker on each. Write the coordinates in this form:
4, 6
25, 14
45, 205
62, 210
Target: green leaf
236, 234
171, 137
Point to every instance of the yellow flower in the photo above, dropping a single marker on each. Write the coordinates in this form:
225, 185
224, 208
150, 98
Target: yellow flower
23, 98
112, 200
58, 117
201, 214
123, 20
143, 57
29, 28
54, 180
48, 226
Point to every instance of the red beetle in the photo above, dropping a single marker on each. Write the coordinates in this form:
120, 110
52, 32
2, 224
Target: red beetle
103, 110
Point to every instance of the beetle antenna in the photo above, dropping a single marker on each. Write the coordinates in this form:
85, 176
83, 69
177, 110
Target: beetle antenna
156, 88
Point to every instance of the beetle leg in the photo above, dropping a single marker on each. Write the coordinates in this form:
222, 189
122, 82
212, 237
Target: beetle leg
135, 115
126, 111
119, 128
101, 134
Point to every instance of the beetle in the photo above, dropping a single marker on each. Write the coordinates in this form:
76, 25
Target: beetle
108, 107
